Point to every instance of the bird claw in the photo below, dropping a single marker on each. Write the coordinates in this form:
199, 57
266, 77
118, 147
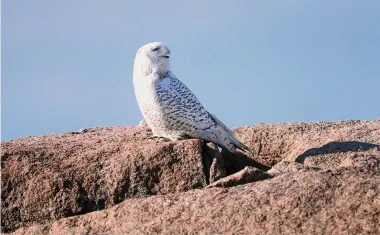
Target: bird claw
157, 138
151, 137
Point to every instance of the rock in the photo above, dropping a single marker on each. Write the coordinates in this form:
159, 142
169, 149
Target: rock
50, 177
217, 170
324, 179
363, 160
316, 144
331, 155
247, 175
236, 162
342, 201
214, 162
288, 167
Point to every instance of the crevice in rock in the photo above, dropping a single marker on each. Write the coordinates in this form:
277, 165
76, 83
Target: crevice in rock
207, 161
238, 161
121, 190
221, 165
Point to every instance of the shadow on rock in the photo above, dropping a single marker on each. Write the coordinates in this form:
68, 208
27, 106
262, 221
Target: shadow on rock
238, 161
337, 147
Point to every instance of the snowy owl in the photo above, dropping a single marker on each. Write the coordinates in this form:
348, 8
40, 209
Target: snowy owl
169, 108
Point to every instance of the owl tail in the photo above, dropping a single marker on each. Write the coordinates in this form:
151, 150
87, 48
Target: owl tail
240, 145
228, 139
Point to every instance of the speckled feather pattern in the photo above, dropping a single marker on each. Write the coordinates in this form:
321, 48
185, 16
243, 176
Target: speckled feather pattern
171, 109
183, 114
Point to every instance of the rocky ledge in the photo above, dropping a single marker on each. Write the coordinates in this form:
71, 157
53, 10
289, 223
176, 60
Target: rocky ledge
303, 178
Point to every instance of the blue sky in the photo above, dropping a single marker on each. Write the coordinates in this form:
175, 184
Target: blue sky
67, 64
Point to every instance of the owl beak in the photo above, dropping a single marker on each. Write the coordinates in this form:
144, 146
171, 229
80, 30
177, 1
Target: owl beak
167, 54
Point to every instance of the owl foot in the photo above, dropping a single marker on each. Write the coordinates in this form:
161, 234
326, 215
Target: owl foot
158, 138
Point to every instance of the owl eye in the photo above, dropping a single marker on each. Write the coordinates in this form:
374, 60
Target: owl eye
155, 49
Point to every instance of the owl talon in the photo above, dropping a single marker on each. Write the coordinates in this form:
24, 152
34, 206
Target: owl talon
163, 139
157, 138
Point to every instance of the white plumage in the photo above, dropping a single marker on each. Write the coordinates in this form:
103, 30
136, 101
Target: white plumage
169, 108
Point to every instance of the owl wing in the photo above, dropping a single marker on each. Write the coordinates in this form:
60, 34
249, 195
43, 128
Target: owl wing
183, 108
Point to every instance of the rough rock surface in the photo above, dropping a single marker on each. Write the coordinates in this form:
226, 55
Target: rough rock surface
289, 167
320, 144
343, 201
213, 161
50, 177
324, 180
247, 175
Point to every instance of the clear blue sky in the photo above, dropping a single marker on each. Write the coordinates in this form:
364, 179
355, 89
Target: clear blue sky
67, 64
